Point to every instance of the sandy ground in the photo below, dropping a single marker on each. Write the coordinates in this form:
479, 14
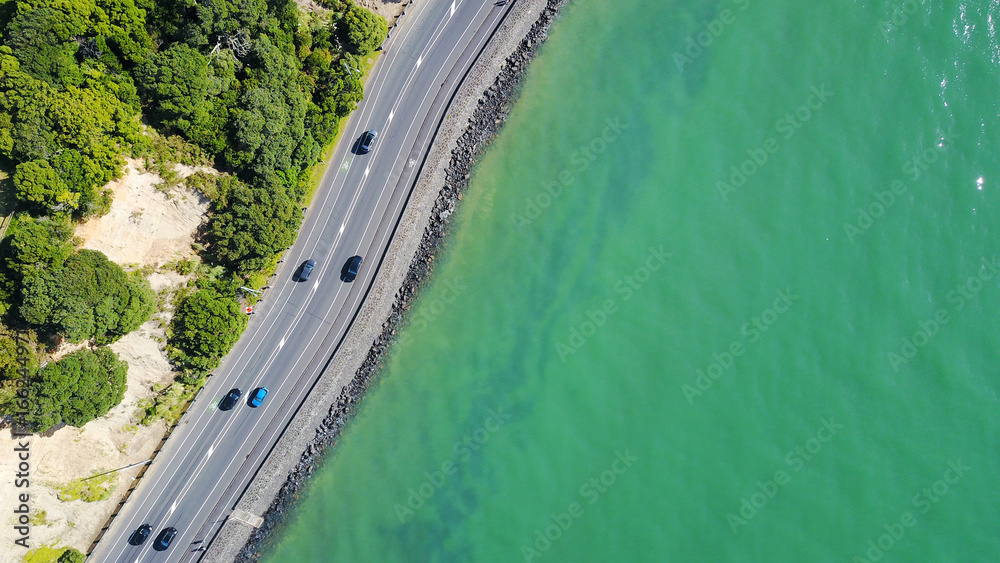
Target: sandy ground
388, 9
145, 227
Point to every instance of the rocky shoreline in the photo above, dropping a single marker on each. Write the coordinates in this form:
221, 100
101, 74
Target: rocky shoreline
487, 120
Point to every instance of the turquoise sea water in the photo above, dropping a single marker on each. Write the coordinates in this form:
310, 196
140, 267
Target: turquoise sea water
633, 350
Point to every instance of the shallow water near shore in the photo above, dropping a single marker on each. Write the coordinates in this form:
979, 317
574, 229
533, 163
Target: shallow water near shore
736, 304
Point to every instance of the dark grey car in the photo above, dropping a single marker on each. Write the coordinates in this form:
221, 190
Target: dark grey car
307, 270
351, 269
229, 401
163, 540
367, 141
140, 534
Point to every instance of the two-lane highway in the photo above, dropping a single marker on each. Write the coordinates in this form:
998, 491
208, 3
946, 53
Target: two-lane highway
205, 465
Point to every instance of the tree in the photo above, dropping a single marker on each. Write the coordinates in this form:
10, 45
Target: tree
89, 297
36, 182
24, 101
269, 140
205, 327
40, 37
8, 358
261, 140
337, 94
251, 225
361, 31
38, 245
72, 556
123, 23
176, 82
80, 387
11, 360
18, 360
202, 23
86, 179
95, 122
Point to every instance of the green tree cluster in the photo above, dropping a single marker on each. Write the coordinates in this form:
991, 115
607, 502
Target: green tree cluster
80, 387
205, 327
10, 359
68, 108
251, 225
87, 298
34, 245
36, 182
31, 245
189, 93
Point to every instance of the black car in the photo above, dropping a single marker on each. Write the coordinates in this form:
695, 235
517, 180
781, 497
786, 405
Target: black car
367, 141
163, 540
307, 270
229, 401
351, 269
140, 534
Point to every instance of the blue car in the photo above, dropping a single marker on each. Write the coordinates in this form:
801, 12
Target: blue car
258, 396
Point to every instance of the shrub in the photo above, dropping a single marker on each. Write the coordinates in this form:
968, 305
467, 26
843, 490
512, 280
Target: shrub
72, 556
77, 389
88, 297
93, 489
362, 31
205, 326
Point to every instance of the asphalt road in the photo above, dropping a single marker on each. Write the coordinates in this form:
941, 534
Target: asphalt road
206, 464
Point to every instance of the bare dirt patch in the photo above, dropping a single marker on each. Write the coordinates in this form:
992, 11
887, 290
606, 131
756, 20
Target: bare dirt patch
146, 226
388, 9
310, 6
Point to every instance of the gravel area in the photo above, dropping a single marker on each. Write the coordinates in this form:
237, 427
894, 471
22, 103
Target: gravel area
474, 118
